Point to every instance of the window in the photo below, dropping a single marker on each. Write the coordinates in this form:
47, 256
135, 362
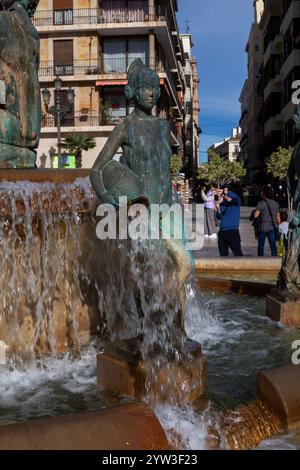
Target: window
114, 55
115, 98
118, 54
63, 57
62, 12
118, 104
138, 49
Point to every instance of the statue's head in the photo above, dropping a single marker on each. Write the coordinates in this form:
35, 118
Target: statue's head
143, 86
29, 5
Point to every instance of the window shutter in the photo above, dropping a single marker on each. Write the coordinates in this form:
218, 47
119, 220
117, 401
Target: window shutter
62, 4
63, 52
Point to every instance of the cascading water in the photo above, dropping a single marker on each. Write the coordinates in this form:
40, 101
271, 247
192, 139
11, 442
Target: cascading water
41, 301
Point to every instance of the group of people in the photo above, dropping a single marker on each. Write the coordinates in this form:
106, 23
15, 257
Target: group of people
222, 209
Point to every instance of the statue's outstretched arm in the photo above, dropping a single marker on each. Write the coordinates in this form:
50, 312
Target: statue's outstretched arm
109, 150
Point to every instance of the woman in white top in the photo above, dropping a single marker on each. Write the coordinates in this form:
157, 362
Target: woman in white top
209, 212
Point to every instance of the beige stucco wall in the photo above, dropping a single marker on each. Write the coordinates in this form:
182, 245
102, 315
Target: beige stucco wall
48, 4
85, 46
44, 50
45, 5
48, 144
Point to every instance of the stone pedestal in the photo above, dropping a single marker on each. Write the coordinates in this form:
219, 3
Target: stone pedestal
121, 369
287, 312
279, 388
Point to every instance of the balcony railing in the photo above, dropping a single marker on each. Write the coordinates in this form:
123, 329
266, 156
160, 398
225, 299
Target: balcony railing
176, 133
72, 121
97, 16
105, 66
77, 67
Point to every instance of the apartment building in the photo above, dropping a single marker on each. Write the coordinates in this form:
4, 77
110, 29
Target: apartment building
279, 24
90, 44
251, 100
229, 149
191, 101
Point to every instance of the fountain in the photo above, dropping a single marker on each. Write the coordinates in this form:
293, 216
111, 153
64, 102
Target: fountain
69, 297
143, 177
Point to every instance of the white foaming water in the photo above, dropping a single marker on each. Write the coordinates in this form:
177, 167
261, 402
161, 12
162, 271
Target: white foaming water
48, 387
200, 324
184, 428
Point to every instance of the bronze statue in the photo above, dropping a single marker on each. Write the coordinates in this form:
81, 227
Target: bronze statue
144, 140
289, 278
143, 174
20, 100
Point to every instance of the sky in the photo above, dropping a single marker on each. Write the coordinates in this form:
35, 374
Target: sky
220, 29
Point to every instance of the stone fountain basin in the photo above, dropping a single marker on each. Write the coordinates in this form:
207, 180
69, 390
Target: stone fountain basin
252, 276
255, 277
128, 427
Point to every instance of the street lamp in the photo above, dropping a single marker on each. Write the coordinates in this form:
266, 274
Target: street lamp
59, 110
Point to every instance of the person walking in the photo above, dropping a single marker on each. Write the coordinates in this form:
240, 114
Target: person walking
229, 213
209, 212
268, 213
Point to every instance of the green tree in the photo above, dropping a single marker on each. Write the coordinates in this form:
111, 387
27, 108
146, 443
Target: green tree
220, 170
175, 166
278, 163
105, 110
75, 143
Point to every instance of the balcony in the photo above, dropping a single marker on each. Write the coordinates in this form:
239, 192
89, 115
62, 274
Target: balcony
244, 139
244, 113
273, 124
108, 69
176, 135
273, 86
97, 17
81, 68
113, 22
292, 11
83, 120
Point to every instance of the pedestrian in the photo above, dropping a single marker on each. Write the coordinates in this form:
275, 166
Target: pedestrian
210, 230
268, 213
229, 213
284, 231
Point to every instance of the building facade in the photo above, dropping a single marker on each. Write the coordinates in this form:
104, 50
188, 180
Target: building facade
90, 45
252, 101
279, 25
191, 102
230, 148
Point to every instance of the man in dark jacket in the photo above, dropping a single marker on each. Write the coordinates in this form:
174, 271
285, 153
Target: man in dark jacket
229, 213
268, 214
